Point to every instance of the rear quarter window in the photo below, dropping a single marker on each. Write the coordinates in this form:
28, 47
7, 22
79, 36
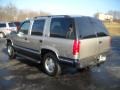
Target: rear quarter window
62, 28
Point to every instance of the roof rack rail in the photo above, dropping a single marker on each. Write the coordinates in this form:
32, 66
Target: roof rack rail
60, 15
53, 16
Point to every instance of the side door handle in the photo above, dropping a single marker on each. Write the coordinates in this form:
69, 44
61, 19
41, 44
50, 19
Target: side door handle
26, 38
40, 41
100, 42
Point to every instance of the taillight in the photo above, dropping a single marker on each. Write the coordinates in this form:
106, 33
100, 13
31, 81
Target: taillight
76, 47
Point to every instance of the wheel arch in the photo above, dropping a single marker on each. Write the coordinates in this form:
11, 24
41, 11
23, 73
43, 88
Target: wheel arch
2, 33
9, 41
49, 50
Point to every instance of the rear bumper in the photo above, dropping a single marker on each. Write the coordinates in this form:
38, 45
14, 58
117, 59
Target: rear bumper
90, 61
68, 61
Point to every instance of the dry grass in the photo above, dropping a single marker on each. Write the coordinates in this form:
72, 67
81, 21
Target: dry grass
113, 28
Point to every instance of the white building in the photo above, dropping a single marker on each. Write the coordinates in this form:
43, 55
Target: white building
104, 17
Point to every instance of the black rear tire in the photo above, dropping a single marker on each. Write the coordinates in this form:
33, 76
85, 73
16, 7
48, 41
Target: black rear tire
51, 65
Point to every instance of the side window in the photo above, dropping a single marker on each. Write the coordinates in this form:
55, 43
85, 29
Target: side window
38, 27
62, 28
25, 27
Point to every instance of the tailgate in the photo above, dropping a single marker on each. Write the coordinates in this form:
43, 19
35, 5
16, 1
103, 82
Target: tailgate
104, 44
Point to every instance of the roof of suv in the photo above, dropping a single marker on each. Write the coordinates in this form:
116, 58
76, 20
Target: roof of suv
5, 22
59, 16
53, 16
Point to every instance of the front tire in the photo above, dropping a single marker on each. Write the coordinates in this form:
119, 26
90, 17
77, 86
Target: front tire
51, 65
11, 51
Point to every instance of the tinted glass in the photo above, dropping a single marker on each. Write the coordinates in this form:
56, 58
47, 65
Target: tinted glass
60, 28
38, 27
2, 25
25, 27
99, 28
85, 28
11, 25
90, 27
17, 23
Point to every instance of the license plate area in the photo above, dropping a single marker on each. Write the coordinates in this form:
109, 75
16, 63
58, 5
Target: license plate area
102, 58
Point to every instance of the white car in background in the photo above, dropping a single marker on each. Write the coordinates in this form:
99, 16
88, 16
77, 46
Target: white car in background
6, 28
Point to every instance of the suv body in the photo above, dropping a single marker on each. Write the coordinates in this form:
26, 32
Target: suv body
45, 40
6, 28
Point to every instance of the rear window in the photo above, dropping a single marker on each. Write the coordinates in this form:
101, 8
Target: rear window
90, 27
2, 25
99, 27
11, 25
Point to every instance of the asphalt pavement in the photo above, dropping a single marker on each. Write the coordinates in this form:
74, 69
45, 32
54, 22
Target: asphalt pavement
22, 74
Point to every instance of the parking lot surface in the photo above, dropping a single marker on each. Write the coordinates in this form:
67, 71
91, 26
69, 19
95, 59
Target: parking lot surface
22, 74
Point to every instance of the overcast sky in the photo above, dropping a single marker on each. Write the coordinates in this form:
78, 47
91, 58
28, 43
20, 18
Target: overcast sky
71, 7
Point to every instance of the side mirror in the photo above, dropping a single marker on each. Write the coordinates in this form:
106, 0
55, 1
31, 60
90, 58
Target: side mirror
20, 34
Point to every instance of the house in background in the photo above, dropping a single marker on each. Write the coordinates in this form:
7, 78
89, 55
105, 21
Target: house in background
104, 17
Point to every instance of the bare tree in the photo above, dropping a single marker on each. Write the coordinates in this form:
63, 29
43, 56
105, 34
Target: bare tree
115, 14
11, 13
8, 13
